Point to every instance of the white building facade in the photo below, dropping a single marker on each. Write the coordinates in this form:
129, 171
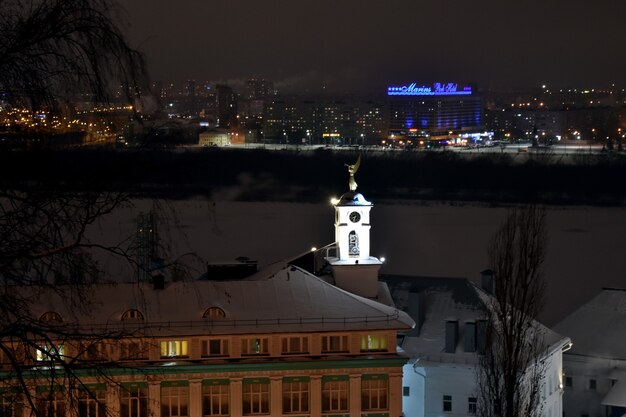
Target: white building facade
595, 367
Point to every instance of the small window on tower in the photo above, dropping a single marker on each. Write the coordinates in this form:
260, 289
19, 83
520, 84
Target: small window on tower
353, 244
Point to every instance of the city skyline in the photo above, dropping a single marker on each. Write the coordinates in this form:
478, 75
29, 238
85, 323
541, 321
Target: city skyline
355, 47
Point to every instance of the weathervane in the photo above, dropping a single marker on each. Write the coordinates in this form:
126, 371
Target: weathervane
352, 169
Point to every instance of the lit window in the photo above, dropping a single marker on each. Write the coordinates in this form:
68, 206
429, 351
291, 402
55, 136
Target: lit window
447, 403
132, 315
471, 405
295, 395
174, 401
214, 347
91, 403
134, 401
371, 343
334, 344
49, 353
335, 395
214, 312
51, 317
174, 348
215, 397
256, 396
295, 344
254, 346
374, 392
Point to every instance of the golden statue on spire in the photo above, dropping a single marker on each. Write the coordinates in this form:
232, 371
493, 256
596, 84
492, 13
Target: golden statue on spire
352, 169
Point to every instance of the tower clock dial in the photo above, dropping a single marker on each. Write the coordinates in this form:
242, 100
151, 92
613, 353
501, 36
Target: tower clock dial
354, 217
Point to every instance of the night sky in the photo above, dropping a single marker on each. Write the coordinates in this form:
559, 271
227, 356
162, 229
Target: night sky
360, 46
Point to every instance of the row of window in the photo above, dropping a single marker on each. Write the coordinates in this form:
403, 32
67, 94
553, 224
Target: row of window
216, 398
447, 404
135, 349
592, 383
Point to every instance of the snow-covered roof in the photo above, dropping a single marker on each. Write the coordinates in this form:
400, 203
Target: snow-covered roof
445, 299
282, 298
352, 198
598, 327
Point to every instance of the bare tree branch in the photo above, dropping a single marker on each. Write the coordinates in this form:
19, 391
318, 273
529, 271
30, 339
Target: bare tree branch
511, 370
51, 51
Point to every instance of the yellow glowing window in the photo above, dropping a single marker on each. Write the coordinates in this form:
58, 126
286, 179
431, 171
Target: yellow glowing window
373, 342
174, 348
49, 353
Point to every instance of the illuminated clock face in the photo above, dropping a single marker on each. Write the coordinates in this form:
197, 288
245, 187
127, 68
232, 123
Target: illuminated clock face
354, 217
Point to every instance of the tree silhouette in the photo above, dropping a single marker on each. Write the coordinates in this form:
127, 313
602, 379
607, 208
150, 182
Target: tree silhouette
511, 369
51, 51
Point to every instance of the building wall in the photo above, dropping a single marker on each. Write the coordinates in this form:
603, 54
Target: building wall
213, 139
370, 374
413, 381
429, 384
580, 397
552, 392
439, 114
457, 382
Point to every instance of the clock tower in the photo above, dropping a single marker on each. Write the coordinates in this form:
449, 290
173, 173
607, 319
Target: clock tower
352, 227
353, 268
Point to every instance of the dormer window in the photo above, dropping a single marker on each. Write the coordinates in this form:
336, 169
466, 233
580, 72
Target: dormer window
51, 317
213, 313
132, 315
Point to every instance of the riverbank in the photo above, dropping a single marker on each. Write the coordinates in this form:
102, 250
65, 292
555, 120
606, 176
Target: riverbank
292, 175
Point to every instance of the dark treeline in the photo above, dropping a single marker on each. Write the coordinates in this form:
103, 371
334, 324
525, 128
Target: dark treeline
263, 175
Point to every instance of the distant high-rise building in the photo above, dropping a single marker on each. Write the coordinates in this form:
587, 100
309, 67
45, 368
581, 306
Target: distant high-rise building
331, 121
258, 88
190, 88
225, 106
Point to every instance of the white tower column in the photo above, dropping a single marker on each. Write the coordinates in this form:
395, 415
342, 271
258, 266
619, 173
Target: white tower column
354, 269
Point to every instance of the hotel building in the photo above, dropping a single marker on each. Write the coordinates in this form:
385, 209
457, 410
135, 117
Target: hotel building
441, 112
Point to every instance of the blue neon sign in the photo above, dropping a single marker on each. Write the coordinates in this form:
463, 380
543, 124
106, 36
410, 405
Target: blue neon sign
437, 89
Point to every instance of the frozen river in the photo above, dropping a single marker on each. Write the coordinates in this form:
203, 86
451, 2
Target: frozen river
586, 248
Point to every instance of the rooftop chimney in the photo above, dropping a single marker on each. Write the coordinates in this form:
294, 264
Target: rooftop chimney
416, 311
158, 281
488, 282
